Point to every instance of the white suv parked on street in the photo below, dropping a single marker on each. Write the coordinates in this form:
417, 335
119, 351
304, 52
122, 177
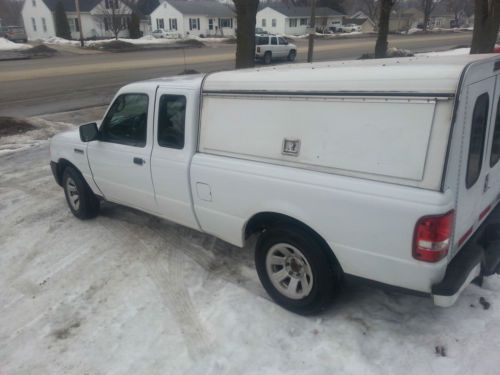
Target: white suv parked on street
270, 47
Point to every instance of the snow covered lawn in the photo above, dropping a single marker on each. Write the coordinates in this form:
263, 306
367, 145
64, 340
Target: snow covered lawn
128, 293
7, 45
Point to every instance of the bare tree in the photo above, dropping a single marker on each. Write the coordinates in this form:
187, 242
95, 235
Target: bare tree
486, 22
458, 7
10, 12
113, 15
246, 14
371, 8
427, 6
383, 28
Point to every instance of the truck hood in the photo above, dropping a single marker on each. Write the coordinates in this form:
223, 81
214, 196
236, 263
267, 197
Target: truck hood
72, 136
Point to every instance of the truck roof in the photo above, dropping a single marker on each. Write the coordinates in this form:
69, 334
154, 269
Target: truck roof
414, 76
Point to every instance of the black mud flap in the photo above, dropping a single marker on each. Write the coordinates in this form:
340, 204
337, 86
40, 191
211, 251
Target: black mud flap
464, 268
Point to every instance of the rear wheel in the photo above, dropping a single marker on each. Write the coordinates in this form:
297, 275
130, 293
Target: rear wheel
81, 200
292, 55
268, 57
296, 269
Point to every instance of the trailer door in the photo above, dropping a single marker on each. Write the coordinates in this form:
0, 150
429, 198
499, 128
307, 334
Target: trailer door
474, 180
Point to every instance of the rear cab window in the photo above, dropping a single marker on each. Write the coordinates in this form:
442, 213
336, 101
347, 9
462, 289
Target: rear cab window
171, 121
477, 139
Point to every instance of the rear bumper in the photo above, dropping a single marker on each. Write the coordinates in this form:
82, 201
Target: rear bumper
479, 257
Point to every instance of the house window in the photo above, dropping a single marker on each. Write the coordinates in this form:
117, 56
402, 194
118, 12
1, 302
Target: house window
33, 2
172, 23
160, 23
293, 22
210, 24
226, 23
263, 22
109, 4
33, 23
303, 21
44, 25
273, 22
477, 135
77, 25
194, 24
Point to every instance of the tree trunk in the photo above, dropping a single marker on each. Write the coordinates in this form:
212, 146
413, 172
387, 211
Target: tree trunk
246, 11
383, 28
312, 33
427, 9
486, 21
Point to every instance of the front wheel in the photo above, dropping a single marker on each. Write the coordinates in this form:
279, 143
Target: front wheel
81, 200
296, 269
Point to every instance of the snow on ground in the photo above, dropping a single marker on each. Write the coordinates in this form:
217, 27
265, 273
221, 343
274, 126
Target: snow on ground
20, 142
7, 45
55, 40
451, 52
148, 39
127, 293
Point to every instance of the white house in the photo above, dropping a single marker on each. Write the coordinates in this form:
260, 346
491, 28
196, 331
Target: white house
96, 16
294, 20
199, 18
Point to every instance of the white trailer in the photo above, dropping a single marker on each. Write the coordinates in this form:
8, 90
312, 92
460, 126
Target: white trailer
385, 170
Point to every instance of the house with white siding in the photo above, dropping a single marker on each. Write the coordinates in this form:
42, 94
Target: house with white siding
96, 17
194, 18
294, 20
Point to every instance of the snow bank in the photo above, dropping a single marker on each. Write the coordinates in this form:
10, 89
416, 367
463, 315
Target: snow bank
7, 45
44, 130
55, 40
452, 52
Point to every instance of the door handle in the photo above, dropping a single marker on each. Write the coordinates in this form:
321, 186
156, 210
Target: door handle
486, 183
139, 161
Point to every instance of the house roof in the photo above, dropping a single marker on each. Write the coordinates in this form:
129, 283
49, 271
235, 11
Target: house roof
356, 21
206, 8
294, 11
69, 5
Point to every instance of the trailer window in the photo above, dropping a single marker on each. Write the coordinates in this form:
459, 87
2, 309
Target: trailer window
171, 120
476, 145
495, 145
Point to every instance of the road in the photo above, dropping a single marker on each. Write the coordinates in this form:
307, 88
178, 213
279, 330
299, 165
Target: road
64, 83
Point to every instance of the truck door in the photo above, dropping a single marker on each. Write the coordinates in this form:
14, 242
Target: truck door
474, 181
120, 159
175, 139
492, 165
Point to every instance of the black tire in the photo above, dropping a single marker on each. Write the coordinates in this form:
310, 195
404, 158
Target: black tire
326, 272
88, 204
268, 58
292, 55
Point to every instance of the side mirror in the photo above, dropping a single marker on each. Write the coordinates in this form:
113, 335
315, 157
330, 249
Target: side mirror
89, 132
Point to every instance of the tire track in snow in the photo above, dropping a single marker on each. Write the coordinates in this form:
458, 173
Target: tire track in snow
164, 263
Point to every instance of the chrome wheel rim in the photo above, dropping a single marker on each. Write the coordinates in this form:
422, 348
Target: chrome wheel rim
72, 193
289, 271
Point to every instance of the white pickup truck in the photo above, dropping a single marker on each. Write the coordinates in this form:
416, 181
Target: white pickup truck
385, 170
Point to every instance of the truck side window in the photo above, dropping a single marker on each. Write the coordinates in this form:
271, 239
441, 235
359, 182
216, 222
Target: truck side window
495, 145
127, 121
477, 133
274, 41
171, 119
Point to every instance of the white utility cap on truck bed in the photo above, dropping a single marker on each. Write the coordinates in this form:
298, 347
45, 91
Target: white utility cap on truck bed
416, 75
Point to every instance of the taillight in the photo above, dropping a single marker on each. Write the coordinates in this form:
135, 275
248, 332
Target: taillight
432, 237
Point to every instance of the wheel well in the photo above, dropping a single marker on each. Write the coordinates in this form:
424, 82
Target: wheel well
265, 220
62, 164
